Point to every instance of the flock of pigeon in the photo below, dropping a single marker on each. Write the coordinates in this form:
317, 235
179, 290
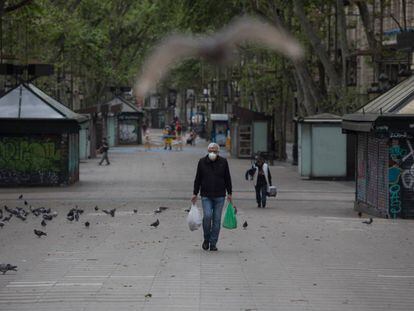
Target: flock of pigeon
46, 214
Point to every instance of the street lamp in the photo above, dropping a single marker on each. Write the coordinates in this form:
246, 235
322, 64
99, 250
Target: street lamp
251, 98
226, 98
190, 97
295, 122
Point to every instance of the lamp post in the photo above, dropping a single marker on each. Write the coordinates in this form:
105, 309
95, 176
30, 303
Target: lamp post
191, 97
251, 98
295, 122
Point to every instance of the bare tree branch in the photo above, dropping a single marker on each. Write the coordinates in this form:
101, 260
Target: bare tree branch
16, 6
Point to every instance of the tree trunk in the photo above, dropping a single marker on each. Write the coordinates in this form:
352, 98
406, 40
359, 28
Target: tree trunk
319, 48
343, 42
309, 93
251, 80
342, 38
307, 85
373, 44
368, 25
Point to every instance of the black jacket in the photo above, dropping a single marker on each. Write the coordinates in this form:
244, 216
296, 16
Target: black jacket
213, 177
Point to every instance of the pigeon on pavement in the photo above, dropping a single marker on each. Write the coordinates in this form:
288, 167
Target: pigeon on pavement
368, 222
7, 218
155, 224
110, 212
20, 216
245, 225
7, 267
43, 223
39, 233
47, 217
10, 210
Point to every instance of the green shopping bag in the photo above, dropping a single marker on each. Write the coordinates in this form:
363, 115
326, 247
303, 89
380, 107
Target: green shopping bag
230, 220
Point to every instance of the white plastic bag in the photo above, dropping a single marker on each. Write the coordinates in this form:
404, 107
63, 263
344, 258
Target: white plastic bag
194, 218
272, 191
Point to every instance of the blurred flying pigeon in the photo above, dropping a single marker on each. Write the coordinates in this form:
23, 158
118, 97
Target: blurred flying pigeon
155, 224
218, 48
39, 233
368, 222
245, 225
7, 267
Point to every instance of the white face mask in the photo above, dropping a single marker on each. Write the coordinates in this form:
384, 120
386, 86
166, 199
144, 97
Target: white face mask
212, 156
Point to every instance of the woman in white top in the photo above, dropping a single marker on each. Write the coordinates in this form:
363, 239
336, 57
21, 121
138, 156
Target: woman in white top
263, 180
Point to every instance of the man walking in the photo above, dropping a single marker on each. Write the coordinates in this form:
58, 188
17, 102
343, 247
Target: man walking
213, 179
104, 150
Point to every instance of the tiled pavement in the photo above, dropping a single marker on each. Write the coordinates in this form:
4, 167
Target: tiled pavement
307, 251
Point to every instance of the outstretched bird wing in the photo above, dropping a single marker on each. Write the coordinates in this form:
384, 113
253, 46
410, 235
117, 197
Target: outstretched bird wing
171, 50
175, 48
254, 30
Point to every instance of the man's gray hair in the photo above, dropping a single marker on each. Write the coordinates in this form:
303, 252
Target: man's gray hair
211, 145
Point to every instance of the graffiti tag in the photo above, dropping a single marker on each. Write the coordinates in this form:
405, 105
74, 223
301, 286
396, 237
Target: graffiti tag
24, 154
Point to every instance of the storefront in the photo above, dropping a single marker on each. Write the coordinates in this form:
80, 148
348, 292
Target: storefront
385, 163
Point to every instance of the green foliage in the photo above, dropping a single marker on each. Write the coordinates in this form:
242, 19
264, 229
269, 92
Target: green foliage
99, 43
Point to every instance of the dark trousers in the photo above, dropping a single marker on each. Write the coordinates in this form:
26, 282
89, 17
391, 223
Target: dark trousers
212, 210
104, 158
261, 191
